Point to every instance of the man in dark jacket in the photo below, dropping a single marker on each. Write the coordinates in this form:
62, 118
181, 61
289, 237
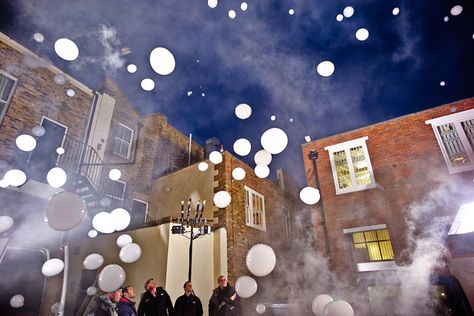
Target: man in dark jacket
188, 304
126, 307
224, 300
155, 301
106, 303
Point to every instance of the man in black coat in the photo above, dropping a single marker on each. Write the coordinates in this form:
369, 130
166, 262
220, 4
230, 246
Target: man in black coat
188, 304
155, 301
224, 300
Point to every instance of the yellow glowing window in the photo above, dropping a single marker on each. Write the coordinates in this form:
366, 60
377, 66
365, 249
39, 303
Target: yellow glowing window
373, 245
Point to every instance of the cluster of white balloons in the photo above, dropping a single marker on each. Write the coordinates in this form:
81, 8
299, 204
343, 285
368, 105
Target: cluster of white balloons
324, 305
107, 223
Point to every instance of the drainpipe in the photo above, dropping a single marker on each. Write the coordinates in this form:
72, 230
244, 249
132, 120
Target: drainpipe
65, 279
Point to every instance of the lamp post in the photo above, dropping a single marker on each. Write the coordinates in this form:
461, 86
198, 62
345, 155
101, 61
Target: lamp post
183, 223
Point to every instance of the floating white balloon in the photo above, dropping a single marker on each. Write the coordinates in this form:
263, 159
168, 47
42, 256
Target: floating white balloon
262, 158
38, 131
162, 61
17, 301
111, 277
60, 150
442, 83
105, 201
121, 218
232, 14
273, 117
319, 302
222, 199
245, 286
446, 19
338, 308
260, 260
57, 308
124, 240
93, 261
65, 210
243, 6
66, 49
348, 11
243, 111
238, 173
103, 222
262, 171
3, 183
362, 34
260, 308
132, 68
15, 177
92, 233
38, 37
202, 166
91, 290
242, 147
189, 93
70, 93
212, 3
456, 10
25, 142
115, 174
130, 253
147, 84
215, 157
6, 222
396, 11
310, 195
291, 12
56, 177
339, 17
274, 140
52, 267
325, 68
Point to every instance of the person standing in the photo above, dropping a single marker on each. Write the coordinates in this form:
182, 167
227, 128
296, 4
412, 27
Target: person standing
155, 301
224, 300
188, 304
106, 304
126, 307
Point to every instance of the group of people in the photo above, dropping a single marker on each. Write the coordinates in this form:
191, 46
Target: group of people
155, 301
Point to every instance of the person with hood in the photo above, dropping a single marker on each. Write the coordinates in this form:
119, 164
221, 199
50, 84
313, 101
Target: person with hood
126, 307
224, 300
188, 304
155, 301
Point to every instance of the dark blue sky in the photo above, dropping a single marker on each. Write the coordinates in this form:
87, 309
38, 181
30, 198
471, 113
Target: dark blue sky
264, 57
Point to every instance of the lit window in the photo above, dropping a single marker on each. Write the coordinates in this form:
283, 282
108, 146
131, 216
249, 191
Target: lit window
351, 166
7, 87
372, 245
455, 136
254, 209
123, 141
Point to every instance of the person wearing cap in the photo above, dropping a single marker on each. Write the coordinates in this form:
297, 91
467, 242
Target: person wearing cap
224, 300
155, 301
106, 304
188, 304
126, 307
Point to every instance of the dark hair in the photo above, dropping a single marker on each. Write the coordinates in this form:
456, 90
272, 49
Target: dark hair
125, 289
148, 282
186, 283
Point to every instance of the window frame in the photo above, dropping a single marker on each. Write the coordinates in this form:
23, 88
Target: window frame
116, 138
3, 113
455, 119
346, 147
249, 211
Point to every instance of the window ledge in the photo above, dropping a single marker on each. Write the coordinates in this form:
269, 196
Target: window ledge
376, 266
357, 189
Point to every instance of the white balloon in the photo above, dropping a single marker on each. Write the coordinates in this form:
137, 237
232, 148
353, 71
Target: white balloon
17, 301
222, 199
6, 222
25, 142
260, 308
291, 12
338, 308
38, 131
319, 302
245, 286
92, 233
339, 17
212, 3
60, 79
103, 222
121, 218
310, 195
70, 93
262, 171
348, 11
38, 37
396, 11
456, 10
260, 260
132, 68
238, 173
203, 166
130, 253
147, 84
232, 14
111, 277
52, 267
262, 158
215, 157
91, 290
4, 184
162, 61
325, 68
93, 261
60, 151
243, 111
242, 147
66, 49
244, 6
124, 240
57, 308
274, 140
56, 177
362, 34
15, 177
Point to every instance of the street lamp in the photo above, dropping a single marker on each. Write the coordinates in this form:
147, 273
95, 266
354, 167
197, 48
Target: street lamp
191, 222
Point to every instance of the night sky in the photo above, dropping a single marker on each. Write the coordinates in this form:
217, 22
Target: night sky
264, 57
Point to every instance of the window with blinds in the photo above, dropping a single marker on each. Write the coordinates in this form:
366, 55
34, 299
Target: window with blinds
7, 87
254, 209
123, 141
372, 245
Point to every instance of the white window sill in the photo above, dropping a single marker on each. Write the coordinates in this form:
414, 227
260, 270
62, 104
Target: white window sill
376, 266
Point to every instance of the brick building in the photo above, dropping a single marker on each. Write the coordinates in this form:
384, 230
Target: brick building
389, 195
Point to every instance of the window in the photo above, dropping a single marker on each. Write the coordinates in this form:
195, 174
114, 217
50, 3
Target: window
123, 141
7, 87
254, 209
351, 166
455, 136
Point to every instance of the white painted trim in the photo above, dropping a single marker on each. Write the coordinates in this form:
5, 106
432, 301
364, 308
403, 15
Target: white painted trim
130, 144
349, 143
459, 116
263, 227
10, 96
376, 266
147, 206
57, 123
364, 228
